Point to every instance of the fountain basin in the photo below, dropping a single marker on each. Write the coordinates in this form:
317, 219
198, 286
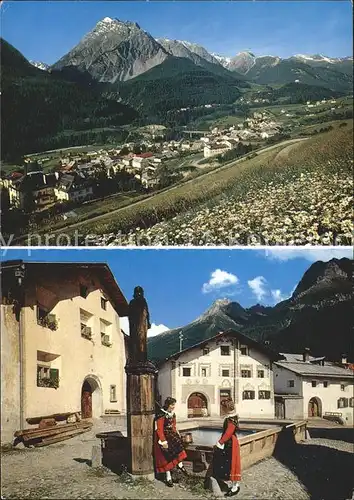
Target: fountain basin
255, 444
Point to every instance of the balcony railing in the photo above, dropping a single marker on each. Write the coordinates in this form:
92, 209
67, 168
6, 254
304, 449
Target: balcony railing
86, 331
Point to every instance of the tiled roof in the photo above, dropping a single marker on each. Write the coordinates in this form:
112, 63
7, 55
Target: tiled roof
309, 369
295, 357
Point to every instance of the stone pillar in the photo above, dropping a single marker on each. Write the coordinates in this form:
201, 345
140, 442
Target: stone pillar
140, 417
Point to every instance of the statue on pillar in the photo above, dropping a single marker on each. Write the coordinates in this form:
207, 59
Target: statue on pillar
139, 323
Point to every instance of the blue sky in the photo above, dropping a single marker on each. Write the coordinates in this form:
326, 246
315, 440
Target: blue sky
45, 31
181, 284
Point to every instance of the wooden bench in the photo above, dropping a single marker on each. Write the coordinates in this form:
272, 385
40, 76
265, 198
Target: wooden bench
57, 417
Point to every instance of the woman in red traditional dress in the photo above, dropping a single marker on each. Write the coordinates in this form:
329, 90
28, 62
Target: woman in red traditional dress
226, 461
168, 445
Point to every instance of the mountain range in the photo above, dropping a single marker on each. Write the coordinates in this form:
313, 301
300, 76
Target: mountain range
119, 74
39, 108
318, 315
115, 50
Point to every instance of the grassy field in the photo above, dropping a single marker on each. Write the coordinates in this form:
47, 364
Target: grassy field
167, 204
306, 186
295, 195
308, 129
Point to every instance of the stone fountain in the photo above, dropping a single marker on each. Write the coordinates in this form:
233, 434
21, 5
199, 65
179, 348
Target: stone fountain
135, 452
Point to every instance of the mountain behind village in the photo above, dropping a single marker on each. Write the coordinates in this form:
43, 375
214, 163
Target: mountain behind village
119, 75
118, 51
318, 315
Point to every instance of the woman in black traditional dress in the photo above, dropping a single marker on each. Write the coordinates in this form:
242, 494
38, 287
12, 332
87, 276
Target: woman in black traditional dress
169, 449
226, 461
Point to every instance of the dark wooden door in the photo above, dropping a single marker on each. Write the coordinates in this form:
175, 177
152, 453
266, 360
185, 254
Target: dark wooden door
86, 401
196, 403
314, 410
279, 409
225, 394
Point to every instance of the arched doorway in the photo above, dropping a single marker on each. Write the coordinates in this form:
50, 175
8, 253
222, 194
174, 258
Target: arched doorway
315, 407
91, 398
197, 405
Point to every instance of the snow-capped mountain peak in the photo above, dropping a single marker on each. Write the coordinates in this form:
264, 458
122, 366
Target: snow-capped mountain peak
316, 57
40, 65
224, 61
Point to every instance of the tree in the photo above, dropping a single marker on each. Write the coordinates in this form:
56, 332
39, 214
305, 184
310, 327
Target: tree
4, 200
29, 204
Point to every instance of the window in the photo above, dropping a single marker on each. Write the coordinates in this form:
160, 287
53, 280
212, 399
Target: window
206, 351
248, 395
225, 350
47, 377
104, 303
325, 384
342, 403
291, 383
260, 373
342, 387
263, 394
113, 394
86, 331
225, 372
83, 291
244, 350
246, 373
204, 372
46, 319
105, 329
351, 402
186, 372
313, 383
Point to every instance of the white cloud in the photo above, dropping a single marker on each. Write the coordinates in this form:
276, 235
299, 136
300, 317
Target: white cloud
219, 279
154, 330
258, 286
124, 324
278, 296
309, 253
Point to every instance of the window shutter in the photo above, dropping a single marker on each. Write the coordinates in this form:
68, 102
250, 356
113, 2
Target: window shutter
54, 375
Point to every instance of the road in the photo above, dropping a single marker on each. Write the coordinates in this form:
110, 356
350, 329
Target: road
316, 468
78, 225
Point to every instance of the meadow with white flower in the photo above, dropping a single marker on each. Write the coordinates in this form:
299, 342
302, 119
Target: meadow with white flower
303, 196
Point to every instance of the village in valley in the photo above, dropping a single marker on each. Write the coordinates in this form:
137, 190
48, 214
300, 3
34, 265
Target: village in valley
75, 176
75, 416
223, 367
60, 185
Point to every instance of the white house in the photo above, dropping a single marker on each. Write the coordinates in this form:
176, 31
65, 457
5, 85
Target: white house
61, 342
214, 150
227, 365
231, 143
308, 387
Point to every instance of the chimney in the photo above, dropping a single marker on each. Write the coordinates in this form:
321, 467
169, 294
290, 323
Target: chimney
344, 359
306, 355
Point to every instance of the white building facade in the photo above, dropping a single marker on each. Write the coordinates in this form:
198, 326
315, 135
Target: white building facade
228, 365
62, 346
307, 387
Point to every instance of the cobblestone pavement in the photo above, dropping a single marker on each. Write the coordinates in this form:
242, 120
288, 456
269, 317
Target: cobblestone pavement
319, 469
